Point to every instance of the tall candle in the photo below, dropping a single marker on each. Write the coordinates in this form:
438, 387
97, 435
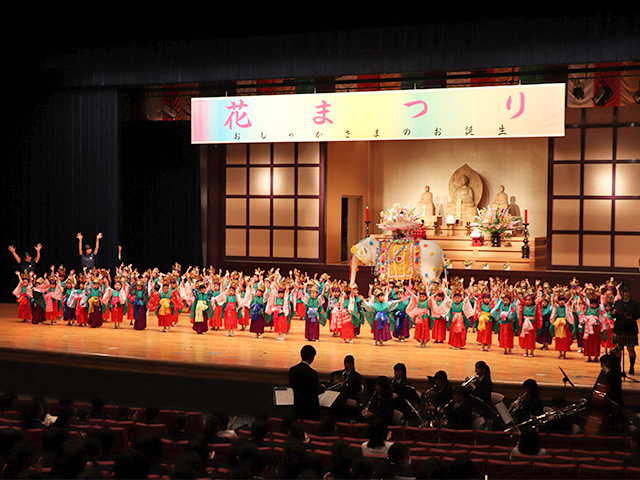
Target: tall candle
367, 213
526, 215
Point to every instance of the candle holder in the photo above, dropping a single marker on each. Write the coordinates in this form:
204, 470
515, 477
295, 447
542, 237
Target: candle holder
525, 247
367, 222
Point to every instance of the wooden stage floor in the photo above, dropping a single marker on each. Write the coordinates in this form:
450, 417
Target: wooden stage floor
243, 358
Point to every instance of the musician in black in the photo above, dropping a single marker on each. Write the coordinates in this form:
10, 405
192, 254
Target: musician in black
442, 392
529, 404
349, 383
626, 312
380, 405
459, 411
608, 410
403, 391
482, 385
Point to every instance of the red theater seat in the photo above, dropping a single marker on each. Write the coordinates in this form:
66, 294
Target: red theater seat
549, 471
589, 472
508, 470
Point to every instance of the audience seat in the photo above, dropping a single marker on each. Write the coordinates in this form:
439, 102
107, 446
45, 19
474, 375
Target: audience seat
589, 472
222, 452
144, 428
122, 439
519, 457
633, 473
550, 471
353, 430
486, 437
171, 451
448, 435
429, 435
34, 437
501, 469
576, 460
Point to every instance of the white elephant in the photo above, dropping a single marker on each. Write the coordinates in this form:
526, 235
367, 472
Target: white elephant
429, 257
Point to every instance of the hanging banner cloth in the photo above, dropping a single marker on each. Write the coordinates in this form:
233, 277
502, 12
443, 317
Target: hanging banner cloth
478, 112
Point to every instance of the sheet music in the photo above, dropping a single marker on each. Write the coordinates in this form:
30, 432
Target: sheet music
328, 397
282, 396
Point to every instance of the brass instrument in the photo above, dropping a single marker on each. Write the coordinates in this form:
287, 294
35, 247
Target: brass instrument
517, 403
469, 380
552, 415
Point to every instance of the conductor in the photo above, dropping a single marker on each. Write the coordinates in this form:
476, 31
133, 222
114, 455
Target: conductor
306, 386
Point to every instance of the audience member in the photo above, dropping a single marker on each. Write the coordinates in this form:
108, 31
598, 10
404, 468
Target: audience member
378, 443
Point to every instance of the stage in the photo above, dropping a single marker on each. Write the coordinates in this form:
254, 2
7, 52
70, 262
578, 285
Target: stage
97, 359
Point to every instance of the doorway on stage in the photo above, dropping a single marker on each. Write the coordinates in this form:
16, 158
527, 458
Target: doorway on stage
350, 227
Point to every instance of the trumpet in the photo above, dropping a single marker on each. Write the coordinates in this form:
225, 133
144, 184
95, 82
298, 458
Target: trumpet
469, 380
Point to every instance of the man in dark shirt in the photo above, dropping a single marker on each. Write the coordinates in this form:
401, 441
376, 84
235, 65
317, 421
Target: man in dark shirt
306, 386
28, 263
88, 255
626, 312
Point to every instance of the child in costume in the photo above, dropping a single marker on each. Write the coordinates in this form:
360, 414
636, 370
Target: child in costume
544, 335
506, 318
438, 317
353, 305
315, 314
94, 292
418, 310
164, 304
380, 315
562, 324
24, 294
333, 301
459, 317
403, 323
116, 301
139, 298
278, 307
230, 308
53, 299
68, 286
592, 319
529, 321
484, 321
77, 301
257, 306
201, 309
215, 321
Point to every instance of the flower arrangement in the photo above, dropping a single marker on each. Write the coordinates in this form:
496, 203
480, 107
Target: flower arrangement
399, 219
496, 221
485, 266
507, 266
448, 263
467, 263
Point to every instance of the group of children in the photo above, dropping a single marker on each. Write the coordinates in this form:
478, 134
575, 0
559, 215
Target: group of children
439, 311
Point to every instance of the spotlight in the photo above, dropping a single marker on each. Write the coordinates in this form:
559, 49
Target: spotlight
578, 92
603, 95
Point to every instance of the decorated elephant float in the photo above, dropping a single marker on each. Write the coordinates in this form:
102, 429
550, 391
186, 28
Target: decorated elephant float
400, 254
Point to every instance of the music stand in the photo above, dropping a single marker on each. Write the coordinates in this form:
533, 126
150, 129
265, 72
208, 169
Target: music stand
565, 380
623, 374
